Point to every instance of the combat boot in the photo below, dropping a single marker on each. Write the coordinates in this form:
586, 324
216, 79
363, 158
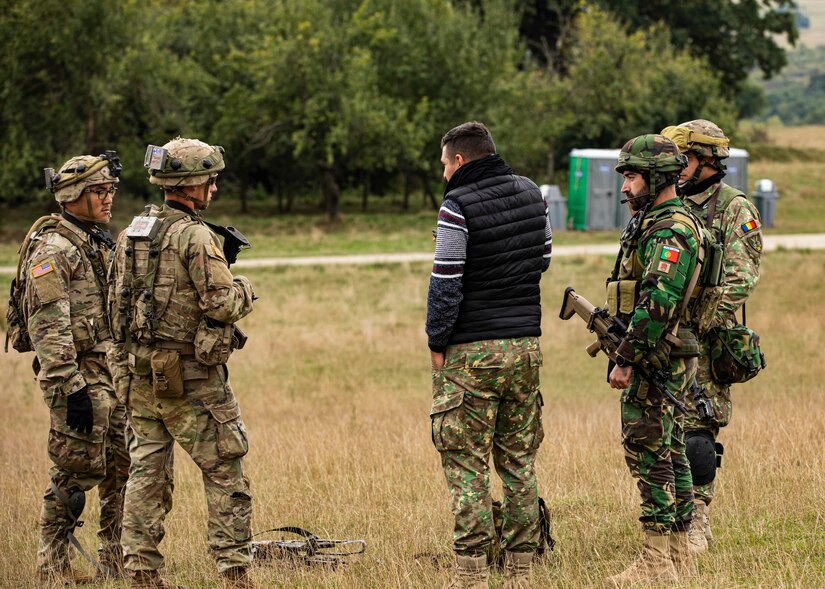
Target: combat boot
681, 554
151, 580
111, 566
697, 538
471, 572
706, 524
653, 565
517, 569
62, 577
237, 578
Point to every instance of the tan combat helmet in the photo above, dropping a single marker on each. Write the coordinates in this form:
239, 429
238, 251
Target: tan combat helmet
186, 162
81, 172
700, 136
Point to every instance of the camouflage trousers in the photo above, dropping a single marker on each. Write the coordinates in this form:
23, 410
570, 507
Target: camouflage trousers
654, 442
206, 422
486, 400
719, 396
82, 461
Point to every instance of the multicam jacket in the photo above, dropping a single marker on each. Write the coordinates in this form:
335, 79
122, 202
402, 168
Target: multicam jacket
66, 297
650, 279
737, 226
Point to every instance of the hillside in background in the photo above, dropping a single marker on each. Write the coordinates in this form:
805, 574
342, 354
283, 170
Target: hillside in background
796, 95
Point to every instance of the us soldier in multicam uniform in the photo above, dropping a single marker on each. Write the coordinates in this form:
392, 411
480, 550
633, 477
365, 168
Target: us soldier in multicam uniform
736, 225
174, 302
658, 258
493, 241
66, 299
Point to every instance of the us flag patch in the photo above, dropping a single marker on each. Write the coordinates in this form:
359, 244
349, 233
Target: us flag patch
42, 269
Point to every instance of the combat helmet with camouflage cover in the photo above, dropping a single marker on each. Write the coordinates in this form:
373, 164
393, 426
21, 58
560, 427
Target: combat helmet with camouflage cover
705, 140
185, 162
81, 172
654, 156
700, 136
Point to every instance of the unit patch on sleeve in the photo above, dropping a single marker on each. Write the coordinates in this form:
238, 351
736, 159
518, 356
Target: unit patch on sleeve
43, 269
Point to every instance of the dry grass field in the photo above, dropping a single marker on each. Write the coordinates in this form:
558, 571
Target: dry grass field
335, 390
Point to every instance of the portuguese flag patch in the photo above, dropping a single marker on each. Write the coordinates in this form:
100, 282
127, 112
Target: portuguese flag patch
670, 254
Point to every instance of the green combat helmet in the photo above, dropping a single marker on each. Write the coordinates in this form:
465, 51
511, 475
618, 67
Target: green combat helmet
654, 156
80, 172
707, 142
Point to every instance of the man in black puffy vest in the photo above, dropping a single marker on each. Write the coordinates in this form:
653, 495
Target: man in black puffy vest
493, 242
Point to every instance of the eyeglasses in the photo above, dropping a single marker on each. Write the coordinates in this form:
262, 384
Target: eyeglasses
102, 193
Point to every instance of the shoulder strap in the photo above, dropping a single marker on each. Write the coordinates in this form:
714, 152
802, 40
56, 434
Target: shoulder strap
93, 255
42, 225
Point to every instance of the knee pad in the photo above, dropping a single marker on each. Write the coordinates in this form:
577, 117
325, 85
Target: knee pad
75, 502
701, 450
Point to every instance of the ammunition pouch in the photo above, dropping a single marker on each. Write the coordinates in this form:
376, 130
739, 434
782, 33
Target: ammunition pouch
167, 380
734, 354
622, 296
213, 342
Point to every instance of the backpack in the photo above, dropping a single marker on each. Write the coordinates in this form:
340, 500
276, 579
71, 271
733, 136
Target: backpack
17, 315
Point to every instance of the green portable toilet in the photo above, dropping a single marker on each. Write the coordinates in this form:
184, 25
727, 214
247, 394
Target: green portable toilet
593, 189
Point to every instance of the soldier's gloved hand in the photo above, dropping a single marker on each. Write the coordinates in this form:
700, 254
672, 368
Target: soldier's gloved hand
659, 357
79, 415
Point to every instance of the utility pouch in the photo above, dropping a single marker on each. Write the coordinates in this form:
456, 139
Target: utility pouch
703, 309
213, 342
713, 266
735, 355
139, 360
622, 296
689, 347
167, 381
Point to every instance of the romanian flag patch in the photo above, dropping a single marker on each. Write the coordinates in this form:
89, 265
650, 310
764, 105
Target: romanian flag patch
670, 254
749, 226
42, 269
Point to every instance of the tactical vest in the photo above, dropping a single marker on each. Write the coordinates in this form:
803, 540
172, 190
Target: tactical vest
156, 298
711, 284
623, 286
88, 311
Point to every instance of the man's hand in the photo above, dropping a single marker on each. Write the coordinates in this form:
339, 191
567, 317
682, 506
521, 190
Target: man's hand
437, 360
79, 416
620, 377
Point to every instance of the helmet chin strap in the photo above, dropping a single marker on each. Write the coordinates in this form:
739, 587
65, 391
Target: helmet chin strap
199, 204
88, 218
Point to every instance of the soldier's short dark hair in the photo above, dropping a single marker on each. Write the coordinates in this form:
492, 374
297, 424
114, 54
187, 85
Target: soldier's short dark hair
472, 140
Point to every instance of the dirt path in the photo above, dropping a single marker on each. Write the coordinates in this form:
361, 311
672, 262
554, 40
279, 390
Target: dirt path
811, 241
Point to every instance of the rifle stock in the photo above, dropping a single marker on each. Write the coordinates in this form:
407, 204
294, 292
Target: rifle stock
609, 332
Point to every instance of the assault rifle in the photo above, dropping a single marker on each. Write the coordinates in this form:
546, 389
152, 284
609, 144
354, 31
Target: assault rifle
233, 241
309, 549
609, 332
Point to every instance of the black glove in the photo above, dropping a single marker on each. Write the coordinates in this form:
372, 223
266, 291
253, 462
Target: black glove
79, 416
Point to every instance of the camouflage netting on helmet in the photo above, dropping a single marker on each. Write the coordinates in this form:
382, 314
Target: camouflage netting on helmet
83, 171
189, 162
701, 137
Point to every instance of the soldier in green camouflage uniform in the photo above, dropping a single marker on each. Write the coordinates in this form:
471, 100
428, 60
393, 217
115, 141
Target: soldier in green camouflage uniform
658, 258
736, 225
493, 242
66, 302
174, 302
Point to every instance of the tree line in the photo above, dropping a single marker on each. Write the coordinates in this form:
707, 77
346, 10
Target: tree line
312, 97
